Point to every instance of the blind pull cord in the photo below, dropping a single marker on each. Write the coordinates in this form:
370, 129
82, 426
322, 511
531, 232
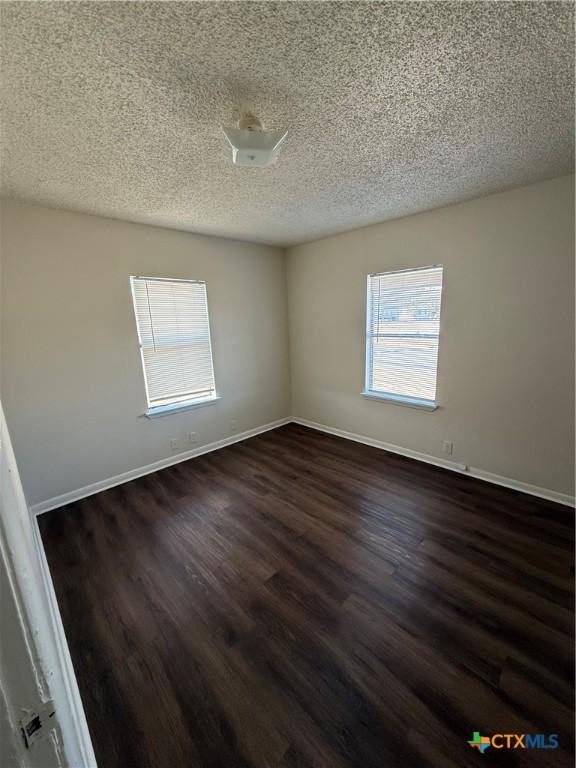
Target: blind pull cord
379, 292
150, 317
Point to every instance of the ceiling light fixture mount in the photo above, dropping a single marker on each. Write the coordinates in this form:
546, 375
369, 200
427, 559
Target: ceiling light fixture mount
250, 145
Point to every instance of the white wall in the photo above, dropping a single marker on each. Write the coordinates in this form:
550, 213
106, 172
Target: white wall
506, 363
71, 376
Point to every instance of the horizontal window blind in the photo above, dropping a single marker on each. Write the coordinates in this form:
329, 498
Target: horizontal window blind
403, 327
174, 335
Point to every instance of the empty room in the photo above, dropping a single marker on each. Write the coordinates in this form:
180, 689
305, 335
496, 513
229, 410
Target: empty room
287, 384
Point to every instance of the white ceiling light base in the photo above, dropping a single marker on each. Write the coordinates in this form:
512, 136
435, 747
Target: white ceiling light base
250, 146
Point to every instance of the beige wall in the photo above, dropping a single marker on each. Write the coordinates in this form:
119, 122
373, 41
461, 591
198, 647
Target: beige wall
71, 375
72, 380
506, 363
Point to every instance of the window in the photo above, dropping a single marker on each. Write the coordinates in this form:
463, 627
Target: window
402, 331
174, 336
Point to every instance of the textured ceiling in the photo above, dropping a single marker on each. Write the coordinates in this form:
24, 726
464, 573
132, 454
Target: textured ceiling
115, 108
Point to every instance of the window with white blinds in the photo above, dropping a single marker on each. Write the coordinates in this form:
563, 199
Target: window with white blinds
402, 333
174, 336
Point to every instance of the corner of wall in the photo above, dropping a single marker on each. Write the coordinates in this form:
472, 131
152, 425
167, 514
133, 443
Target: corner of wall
288, 254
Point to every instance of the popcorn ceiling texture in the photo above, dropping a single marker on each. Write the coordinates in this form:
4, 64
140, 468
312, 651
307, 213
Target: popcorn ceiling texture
116, 108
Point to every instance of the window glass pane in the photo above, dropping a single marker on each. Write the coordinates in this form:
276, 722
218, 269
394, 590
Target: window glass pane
403, 332
174, 333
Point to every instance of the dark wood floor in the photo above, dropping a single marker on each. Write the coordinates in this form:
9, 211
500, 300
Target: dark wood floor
299, 600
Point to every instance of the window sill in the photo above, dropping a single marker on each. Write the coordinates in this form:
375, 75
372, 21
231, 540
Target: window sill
185, 405
409, 402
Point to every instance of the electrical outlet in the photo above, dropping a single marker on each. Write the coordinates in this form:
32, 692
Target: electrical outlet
174, 443
233, 425
447, 447
192, 439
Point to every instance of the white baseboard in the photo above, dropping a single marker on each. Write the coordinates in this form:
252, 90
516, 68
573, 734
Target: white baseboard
453, 465
519, 485
102, 485
65, 661
480, 474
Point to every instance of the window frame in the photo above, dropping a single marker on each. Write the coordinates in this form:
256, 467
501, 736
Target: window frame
187, 403
391, 397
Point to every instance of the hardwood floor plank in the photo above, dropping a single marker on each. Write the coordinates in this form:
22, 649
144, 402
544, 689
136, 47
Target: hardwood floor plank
297, 600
